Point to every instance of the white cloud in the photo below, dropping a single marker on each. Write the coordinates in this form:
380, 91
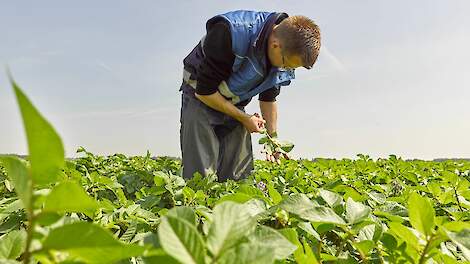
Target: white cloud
103, 65
329, 60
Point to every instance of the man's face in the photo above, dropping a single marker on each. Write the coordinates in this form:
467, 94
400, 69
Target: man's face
282, 60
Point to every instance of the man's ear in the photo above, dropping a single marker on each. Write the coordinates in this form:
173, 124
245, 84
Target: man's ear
275, 43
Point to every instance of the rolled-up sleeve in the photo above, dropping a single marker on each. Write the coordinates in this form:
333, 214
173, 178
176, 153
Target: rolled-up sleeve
270, 94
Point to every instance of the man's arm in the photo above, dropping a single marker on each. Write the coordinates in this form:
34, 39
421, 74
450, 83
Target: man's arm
269, 113
268, 107
216, 65
216, 101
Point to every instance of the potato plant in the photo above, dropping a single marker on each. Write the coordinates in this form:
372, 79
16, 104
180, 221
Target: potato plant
120, 209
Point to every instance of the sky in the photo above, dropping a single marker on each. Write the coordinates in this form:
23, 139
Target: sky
393, 77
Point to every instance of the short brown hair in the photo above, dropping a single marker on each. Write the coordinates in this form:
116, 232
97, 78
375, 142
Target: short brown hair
299, 36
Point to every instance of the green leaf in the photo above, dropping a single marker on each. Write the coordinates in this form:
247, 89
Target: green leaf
268, 237
331, 198
300, 257
456, 226
365, 247
322, 214
89, 243
235, 197
389, 241
46, 152
462, 238
286, 146
349, 192
199, 196
188, 193
307, 227
323, 228
180, 239
18, 173
274, 194
130, 233
160, 179
421, 214
248, 253
370, 232
296, 203
231, 222
183, 212
68, 196
328, 257
9, 261
445, 259
300, 205
12, 244
255, 208
47, 218
158, 256
291, 235
356, 212
405, 234
250, 190
263, 140
310, 257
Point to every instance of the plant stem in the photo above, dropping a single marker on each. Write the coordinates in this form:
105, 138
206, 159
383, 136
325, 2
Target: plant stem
422, 258
319, 246
31, 222
30, 229
343, 243
380, 253
457, 198
270, 138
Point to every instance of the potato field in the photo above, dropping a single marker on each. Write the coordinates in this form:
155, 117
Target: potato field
120, 209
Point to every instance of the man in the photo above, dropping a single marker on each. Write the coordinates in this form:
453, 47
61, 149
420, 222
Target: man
243, 54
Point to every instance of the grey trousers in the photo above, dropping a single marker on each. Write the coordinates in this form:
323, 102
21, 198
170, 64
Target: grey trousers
213, 141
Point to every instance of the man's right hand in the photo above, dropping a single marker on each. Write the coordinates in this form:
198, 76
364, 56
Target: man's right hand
254, 123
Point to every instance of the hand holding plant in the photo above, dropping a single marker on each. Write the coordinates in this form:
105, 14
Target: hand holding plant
254, 123
274, 148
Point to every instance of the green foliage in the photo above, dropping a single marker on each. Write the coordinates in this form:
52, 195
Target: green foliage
356, 212
421, 214
230, 223
89, 243
68, 196
12, 244
19, 176
120, 209
181, 240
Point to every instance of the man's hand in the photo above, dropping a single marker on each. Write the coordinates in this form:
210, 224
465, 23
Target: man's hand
254, 123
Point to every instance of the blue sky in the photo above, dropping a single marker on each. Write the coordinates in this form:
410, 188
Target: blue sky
392, 76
